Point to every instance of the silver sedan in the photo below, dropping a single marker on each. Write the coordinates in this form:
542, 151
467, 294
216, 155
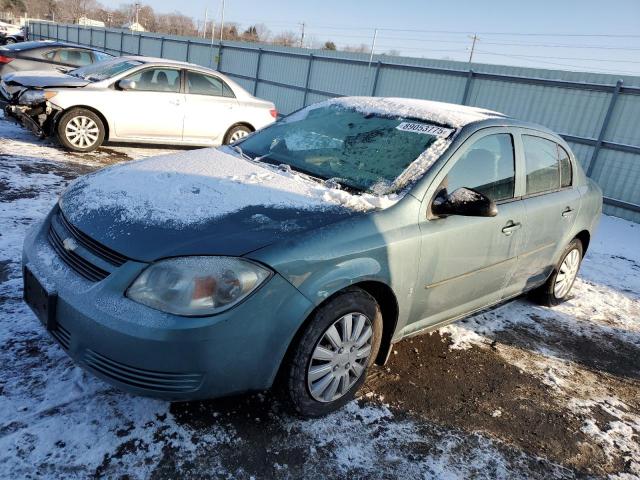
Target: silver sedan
135, 99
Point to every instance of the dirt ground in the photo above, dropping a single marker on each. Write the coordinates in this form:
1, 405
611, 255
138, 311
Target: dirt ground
517, 392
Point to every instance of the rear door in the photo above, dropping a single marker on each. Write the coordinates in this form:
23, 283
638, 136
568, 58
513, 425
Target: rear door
551, 205
210, 108
465, 262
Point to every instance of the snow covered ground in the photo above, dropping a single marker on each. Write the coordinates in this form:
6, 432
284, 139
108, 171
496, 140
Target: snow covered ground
518, 392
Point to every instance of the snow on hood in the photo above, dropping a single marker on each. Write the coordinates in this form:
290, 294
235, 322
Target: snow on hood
449, 114
194, 187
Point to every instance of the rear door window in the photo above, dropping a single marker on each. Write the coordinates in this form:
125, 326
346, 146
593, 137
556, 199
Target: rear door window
542, 165
201, 84
488, 166
74, 56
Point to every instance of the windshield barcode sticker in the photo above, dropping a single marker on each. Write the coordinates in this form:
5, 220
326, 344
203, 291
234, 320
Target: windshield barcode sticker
424, 128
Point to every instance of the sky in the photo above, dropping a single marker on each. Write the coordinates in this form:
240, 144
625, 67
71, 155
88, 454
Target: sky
589, 35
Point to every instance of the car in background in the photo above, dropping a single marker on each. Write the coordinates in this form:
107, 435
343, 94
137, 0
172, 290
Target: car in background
305, 250
10, 33
47, 55
15, 37
135, 99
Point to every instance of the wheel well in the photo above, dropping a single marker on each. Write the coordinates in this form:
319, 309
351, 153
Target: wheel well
238, 124
585, 237
386, 299
86, 107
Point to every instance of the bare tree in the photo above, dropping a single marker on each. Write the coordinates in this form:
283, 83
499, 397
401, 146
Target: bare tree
362, 48
286, 39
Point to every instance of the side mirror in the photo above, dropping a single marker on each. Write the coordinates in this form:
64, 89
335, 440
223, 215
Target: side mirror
127, 84
465, 202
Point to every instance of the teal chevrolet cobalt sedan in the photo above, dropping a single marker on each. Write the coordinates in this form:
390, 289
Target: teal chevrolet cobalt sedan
305, 250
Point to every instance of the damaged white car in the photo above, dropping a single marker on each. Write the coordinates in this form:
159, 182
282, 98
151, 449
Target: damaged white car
134, 99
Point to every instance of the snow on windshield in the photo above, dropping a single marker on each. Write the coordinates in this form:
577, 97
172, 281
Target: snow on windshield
193, 187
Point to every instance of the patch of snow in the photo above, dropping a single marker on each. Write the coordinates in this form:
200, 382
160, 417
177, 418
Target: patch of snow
193, 187
441, 113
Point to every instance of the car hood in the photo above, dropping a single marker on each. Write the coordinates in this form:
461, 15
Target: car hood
203, 202
44, 79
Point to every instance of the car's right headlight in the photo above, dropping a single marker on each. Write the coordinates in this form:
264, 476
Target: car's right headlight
197, 286
33, 97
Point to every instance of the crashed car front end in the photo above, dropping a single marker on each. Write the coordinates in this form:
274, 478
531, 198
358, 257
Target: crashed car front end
30, 107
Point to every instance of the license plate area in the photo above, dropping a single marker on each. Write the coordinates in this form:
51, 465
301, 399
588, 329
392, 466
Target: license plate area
42, 302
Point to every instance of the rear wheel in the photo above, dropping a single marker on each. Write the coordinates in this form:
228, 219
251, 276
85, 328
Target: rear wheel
236, 133
81, 130
330, 361
557, 287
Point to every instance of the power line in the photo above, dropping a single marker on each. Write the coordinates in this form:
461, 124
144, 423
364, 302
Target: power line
569, 58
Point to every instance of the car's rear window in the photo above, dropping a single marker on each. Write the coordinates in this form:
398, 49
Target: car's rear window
363, 151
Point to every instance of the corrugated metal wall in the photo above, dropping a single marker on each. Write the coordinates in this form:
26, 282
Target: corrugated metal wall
574, 104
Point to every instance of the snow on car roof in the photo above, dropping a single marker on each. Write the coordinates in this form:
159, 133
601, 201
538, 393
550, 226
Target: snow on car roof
190, 188
449, 114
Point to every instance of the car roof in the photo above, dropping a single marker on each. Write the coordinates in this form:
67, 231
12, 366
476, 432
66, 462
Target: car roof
36, 44
440, 113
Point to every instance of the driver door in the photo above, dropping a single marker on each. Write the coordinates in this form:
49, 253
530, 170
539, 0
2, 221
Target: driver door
465, 262
153, 110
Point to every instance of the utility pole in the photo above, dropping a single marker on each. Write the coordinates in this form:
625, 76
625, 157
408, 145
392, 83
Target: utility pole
222, 21
302, 35
473, 46
204, 30
373, 45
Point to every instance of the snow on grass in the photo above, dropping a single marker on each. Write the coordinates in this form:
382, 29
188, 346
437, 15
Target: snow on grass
563, 345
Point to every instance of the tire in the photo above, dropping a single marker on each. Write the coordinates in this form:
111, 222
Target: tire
88, 126
10, 41
554, 292
236, 133
340, 373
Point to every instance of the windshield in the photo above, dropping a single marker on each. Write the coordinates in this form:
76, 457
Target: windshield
361, 151
103, 70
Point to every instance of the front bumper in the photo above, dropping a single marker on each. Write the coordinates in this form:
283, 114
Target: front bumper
148, 352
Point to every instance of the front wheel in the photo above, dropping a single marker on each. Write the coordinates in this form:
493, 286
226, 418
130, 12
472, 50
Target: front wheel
330, 361
557, 287
81, 130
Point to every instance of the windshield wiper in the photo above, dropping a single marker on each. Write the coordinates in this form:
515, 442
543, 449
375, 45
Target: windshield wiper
238, 149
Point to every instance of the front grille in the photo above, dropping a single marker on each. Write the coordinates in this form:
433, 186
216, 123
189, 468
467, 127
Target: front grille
145, 379
81, 265
114, 258
62, 335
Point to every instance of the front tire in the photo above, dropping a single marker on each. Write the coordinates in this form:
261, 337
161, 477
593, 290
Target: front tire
81, 130
330, 361
558, 286
236, 133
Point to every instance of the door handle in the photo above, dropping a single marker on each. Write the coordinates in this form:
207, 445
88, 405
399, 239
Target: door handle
510, 227
567, 211
175, 102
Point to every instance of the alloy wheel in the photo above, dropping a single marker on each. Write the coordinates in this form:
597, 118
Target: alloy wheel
82, 132
237, 135
340, 357
567, 273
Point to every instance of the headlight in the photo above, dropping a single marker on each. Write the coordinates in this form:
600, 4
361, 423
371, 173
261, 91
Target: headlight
31, 97
196, 286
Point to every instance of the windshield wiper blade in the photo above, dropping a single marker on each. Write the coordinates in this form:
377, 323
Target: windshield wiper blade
238, 149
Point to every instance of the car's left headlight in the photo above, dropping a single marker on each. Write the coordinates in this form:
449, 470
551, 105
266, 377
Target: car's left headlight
32, 97
196, 286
